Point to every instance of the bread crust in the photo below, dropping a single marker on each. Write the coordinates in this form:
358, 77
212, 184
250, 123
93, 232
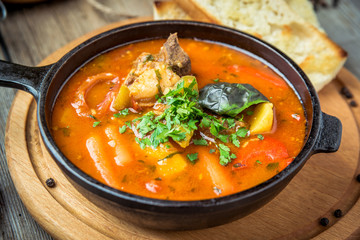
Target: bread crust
196, 11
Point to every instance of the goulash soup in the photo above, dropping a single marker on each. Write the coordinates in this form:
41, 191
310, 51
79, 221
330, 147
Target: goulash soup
178, 119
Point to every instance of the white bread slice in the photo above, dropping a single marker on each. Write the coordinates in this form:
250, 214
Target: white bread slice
163, 10
306, 10
273, 21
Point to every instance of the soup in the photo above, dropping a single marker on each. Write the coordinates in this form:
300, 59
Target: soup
181, 123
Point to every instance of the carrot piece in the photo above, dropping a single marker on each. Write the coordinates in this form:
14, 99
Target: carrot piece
123, 155
103, 165
220, 180
253, 72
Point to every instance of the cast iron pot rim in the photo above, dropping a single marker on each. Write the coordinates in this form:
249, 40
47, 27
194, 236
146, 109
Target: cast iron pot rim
117, 195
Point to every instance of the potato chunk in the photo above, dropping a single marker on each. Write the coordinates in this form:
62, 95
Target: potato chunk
262, 119
169, 161
122, 99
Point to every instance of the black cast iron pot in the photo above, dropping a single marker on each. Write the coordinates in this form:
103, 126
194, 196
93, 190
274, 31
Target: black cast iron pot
44, 83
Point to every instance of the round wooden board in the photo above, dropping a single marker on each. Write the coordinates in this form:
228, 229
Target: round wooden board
326, 183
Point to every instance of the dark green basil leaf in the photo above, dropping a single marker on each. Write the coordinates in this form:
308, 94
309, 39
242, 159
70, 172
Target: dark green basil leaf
229, 98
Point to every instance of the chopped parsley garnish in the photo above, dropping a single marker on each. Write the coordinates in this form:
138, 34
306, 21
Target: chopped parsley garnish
158, 74
148, 58
192, 157
122, 113
212, 150
235, 140
261, 137
201, 142
66, 131
225, 155
258, 162
175, 122
272, 166
122, 129
92, 116
182, 116
231, 122
216, 80
95, 124
242, 132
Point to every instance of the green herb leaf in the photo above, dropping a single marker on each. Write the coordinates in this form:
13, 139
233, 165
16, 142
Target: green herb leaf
242, 132
149, 57
225, 156
231, 122
128, 124
261, 137
192, 157
158, 74
216, 80
235, 140
66, 131
92, 116
201, 142
258, 162
272, 166
122, 113
229, 98
122, 129
223, 138
95, 124
212, 150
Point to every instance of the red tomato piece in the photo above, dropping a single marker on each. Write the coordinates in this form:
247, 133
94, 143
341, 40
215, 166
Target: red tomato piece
264, 151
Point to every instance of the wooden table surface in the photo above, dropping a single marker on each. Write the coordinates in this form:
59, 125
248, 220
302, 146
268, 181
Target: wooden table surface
32, 32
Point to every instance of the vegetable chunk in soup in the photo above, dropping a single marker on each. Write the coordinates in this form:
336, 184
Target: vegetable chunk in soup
178, 119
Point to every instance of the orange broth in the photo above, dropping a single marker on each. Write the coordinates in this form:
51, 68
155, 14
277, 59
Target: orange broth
142, 173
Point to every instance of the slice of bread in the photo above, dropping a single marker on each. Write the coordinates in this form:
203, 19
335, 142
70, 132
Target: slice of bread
273, 21
305, 9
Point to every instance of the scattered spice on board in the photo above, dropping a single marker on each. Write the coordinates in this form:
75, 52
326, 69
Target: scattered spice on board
358, 178
353, 103
50, 182
346, 92
338, 213
324, 222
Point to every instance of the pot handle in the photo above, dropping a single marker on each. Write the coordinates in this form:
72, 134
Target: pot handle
22, 77
330, 134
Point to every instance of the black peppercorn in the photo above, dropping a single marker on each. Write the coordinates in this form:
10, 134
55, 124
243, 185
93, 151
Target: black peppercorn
358, 178
324, 221
50, 182
346, 92
338, 213
353, 103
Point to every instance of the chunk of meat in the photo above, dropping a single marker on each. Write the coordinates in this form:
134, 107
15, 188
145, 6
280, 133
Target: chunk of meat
156, 74
175, 56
